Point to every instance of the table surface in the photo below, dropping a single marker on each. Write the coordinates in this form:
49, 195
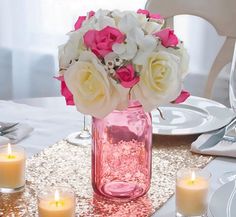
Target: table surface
69, 120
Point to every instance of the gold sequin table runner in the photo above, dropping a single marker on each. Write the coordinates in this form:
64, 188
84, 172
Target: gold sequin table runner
67, 165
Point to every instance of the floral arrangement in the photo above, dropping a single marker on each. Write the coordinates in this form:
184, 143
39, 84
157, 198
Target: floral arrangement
113, 56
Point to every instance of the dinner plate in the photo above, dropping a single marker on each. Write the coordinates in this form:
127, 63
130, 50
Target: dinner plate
196, 115
223, 201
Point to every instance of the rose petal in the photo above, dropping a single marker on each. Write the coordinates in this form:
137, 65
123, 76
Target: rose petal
89, 37
145, 12
156, 16
91, 14
79, 22
65, 91
130, 84
182, 97
150, 15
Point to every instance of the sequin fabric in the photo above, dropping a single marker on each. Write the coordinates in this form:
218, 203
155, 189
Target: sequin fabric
67, 165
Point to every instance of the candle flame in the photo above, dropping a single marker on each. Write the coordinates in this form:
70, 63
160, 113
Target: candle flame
9, 150
57, 196
193, 176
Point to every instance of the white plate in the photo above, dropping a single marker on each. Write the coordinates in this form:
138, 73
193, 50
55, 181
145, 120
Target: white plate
196, 115
223, 201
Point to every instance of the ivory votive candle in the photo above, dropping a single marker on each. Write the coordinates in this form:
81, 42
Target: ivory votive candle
192, 187
56, 202
12, 168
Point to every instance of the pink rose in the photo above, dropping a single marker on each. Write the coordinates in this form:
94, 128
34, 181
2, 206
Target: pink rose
126, 76
182, 97
168, 38
100, 42
150, 15
65, 91
81, 19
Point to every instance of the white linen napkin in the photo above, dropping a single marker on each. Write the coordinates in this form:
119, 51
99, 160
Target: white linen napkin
222, 148
4, 140
16, 133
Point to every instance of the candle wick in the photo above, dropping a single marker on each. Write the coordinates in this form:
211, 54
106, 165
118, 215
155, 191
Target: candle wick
10, 156
57, 203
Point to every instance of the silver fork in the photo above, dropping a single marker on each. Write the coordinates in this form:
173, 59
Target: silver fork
6, 132
6, 127
229, 137
218, 135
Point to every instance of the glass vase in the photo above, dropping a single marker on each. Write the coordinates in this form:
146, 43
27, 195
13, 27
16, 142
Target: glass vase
122, 153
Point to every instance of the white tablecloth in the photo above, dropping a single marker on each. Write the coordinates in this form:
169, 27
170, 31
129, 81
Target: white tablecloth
50, 124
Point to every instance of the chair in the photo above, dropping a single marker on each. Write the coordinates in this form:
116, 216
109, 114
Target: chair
220, 13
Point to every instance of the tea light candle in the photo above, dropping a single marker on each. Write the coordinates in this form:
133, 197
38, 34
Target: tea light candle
12, 168
56, 202
191, 192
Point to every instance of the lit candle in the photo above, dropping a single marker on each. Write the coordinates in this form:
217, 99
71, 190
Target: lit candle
191, 192
12, 168
56, 202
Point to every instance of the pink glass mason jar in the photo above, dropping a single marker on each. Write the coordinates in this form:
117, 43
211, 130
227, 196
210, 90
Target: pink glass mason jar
122, 153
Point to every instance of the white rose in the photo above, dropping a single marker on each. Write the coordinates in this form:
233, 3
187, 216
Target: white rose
160, 80
93, 92
184, 58
183, 55
123, 96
